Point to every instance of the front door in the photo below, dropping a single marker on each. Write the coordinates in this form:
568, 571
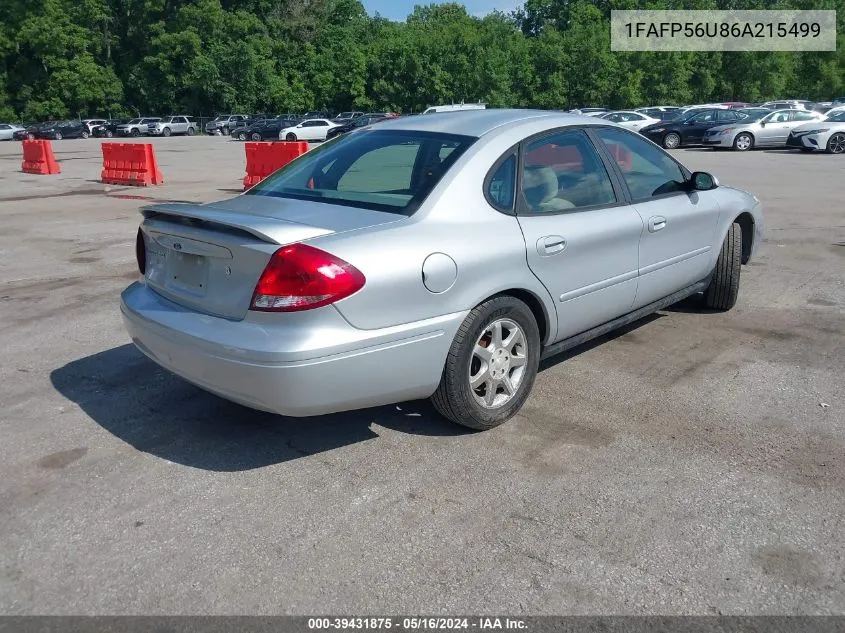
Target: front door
580, 236
692, 130
679, 225
774, 129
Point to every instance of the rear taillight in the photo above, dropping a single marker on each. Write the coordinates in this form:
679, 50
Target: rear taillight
301, 277
141, 252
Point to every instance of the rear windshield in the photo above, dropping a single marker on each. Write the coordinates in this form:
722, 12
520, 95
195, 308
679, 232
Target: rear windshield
384, 170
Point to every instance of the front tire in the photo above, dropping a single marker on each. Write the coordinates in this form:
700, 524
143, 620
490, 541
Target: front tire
743, 142
672, 141
290, 136
491, 365
723, 290
85, 135
241, 136
109, 134
135, 133
58, 136
255, 136
165, 131
836, 144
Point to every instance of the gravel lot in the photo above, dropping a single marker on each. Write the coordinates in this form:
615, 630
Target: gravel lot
693, 464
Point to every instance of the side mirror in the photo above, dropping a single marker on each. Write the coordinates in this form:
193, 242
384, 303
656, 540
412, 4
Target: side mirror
702, 181
762, 124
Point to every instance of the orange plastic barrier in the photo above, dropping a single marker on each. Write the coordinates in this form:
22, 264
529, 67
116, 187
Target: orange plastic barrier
262, 159
38, 158
130, 164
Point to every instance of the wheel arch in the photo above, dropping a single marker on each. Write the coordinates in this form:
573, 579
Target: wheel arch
746, 223
535, 304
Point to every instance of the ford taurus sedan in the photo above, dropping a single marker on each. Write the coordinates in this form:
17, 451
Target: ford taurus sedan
762, 130
436, 257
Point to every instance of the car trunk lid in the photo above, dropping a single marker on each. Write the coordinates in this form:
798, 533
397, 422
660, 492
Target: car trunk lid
209, 257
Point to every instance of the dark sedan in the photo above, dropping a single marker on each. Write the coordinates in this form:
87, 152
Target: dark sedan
63, 129
688, 129
267, 130
107, 129
361, 121
29, 131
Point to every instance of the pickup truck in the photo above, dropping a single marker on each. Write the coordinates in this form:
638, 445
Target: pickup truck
180, 124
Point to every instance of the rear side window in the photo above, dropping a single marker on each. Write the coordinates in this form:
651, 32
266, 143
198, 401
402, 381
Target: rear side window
564, 172
384, 170
647, 169
502, 185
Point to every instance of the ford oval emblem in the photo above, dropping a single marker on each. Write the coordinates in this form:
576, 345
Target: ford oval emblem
177, 246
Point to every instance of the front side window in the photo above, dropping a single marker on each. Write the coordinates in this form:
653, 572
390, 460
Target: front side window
384, 170
705, 117
647, 169
778, 117
564, 172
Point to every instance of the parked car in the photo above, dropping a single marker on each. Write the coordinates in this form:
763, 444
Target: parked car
266, 130
316, 277
169, 125
753, 112
308, 130
347, 116
839, 101
827, 134
92, 123
629, 119
136, 127
765, 130
108, 129
63, 130
361, 121
7, 131
30, 131
689, 128
224, 123
661, 113
590, 111
314, 114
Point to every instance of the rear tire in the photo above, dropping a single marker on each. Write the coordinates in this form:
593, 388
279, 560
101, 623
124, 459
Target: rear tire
512, 366
290, 136
241, 136
191, 131
672, 141
58, 136
723, 290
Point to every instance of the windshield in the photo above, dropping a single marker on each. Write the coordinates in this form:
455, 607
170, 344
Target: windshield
838, 117
383, 170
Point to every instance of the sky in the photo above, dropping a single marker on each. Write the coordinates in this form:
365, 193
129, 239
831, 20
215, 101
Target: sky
400, 9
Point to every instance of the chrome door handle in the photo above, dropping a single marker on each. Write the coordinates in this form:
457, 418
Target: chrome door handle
550, 245
656, 223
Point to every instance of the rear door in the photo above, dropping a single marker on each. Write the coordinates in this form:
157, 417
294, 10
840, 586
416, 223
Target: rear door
581, 236
679, 225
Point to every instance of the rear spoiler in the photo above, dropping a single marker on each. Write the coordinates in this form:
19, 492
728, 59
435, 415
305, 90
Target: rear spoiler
271, 230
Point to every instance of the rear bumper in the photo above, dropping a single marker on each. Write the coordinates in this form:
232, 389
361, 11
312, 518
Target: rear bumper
295, 364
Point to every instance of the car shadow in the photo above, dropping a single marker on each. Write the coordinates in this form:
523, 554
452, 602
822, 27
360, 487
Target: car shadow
158, 413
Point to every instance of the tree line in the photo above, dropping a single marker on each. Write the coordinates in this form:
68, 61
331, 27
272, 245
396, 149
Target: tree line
69, 58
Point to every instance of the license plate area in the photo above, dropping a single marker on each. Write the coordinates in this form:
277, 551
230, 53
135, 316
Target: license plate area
187, 273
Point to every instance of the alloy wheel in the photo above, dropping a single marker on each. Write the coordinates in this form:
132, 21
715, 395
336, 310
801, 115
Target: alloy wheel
498, 363
836, 144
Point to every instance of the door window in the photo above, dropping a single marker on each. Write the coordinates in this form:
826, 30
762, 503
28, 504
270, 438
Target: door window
704, 117
797, 115
564, 172
648, 170
778, 117
724, 116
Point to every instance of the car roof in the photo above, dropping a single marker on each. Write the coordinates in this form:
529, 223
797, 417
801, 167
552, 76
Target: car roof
480, 122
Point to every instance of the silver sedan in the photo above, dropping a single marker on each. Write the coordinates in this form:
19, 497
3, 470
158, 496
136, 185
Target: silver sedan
764, 129
438, 256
